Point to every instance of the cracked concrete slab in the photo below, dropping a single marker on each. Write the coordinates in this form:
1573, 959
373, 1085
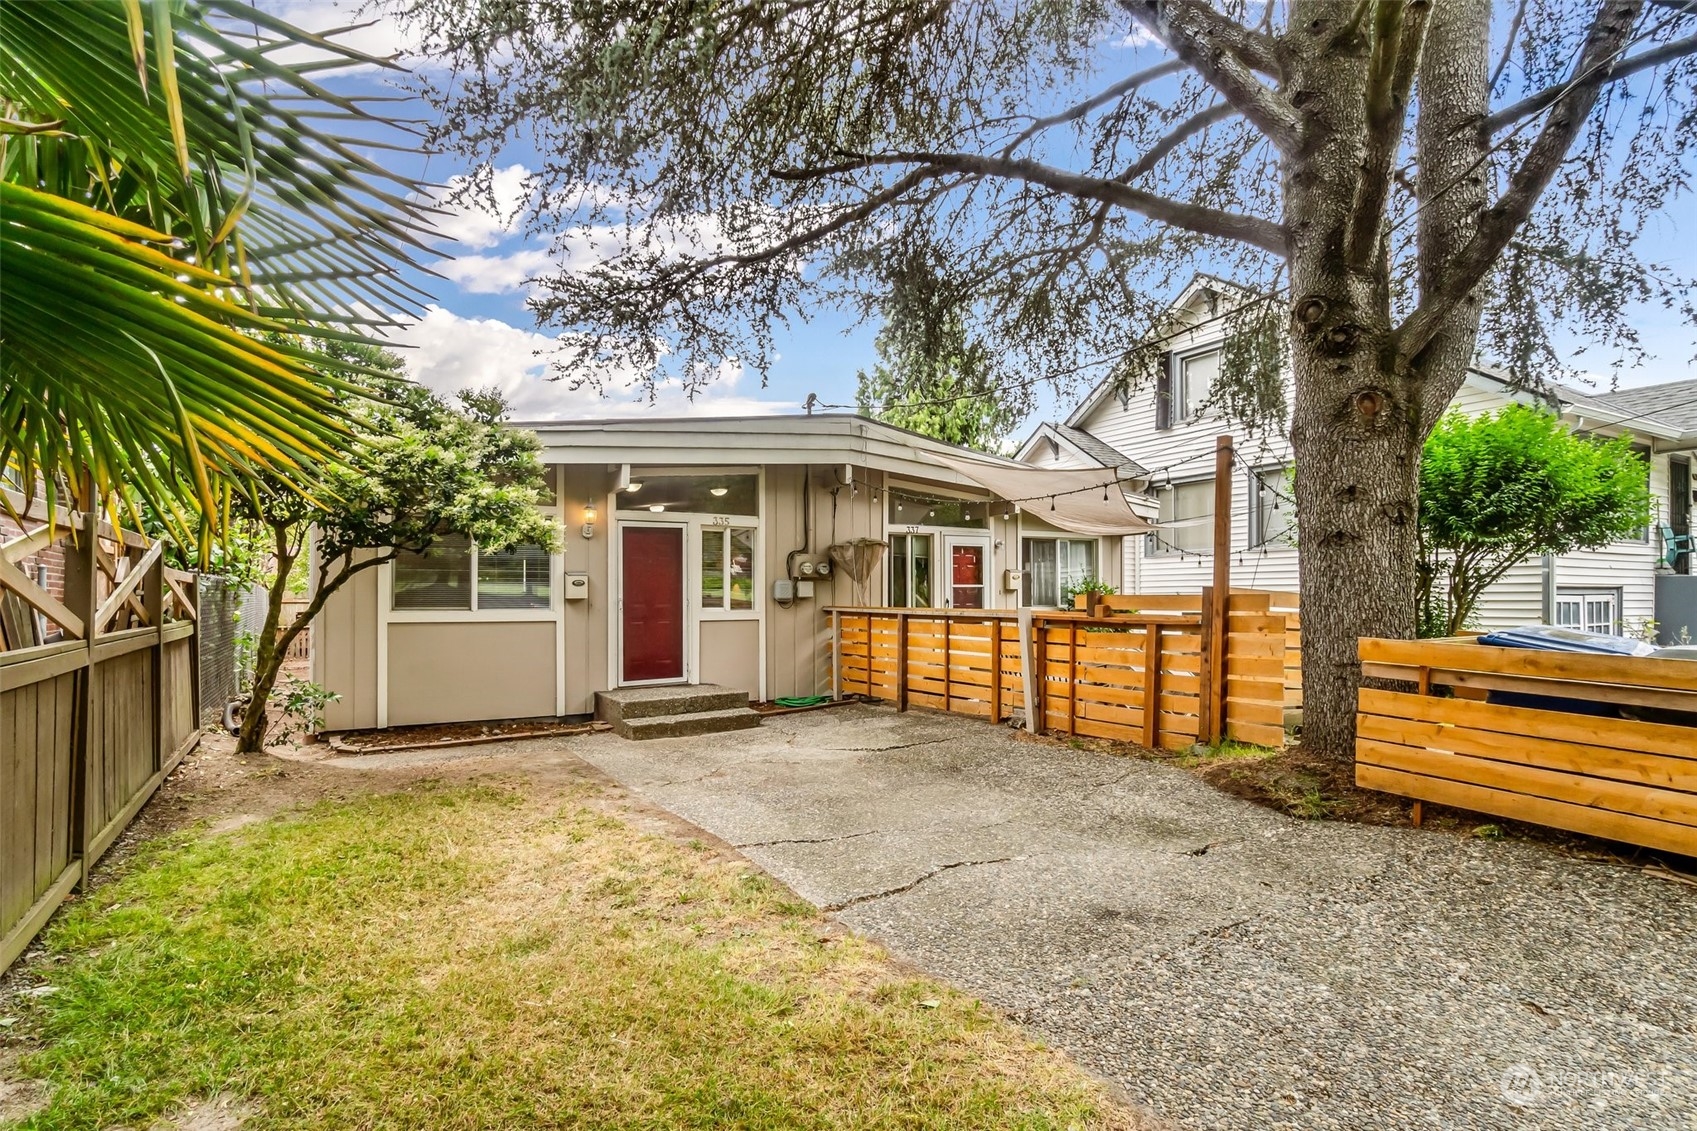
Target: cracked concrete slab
1228, 966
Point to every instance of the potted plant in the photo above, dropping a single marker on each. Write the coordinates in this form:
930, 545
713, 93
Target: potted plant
1092, 591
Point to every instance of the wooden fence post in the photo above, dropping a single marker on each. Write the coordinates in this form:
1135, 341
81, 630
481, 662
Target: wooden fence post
153, 602
948, 661
1152, 686
82, 597
836, 656
1220, 604
1072, 679
1028, 669
995, 669
901, 661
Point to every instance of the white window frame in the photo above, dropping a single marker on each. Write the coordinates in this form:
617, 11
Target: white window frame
1180, 409
1095, 549
1158, 545
1582, 598
935, 534
1257, 526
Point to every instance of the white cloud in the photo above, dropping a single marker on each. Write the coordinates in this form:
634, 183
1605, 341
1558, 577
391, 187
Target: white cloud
478, 226
497, 274
451, 352
382, 37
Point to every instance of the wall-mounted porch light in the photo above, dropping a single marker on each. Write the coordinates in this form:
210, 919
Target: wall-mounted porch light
588, 530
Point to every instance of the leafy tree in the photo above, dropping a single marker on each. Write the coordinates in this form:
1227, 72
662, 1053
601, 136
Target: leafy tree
931, 376
1395, 182
183, 202
417, 470
1498, 489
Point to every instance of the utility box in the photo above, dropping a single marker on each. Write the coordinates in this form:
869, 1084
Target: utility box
1676, 608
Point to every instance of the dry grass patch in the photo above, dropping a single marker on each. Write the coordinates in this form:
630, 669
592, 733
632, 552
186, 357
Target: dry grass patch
502, 955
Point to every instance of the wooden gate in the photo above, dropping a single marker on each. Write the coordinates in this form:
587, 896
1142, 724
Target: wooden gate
97, 704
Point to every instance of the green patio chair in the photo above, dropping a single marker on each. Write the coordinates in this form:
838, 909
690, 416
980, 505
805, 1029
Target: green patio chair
1674, 545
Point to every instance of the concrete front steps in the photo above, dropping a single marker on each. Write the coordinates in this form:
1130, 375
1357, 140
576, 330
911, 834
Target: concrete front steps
675, 712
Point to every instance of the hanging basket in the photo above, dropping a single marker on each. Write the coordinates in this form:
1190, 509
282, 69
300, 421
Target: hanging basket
857, 559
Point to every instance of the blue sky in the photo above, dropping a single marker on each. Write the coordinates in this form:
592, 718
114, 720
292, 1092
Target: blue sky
477, 331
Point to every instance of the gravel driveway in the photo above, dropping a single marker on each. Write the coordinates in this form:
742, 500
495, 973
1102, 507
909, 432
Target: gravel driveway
1226, 966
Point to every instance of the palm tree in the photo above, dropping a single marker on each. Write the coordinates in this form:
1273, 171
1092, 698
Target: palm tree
183, 210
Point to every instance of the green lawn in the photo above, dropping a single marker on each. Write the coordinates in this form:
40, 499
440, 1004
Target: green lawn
502, 956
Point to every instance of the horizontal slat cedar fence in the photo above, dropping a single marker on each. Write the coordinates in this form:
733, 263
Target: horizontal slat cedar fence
94, 712
1131, 669
1623, 779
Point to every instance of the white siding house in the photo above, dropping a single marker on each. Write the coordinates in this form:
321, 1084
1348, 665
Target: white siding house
1172, 444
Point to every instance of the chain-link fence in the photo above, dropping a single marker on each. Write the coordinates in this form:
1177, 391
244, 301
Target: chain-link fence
227, 611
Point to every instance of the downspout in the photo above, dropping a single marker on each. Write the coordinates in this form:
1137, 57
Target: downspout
1549, 589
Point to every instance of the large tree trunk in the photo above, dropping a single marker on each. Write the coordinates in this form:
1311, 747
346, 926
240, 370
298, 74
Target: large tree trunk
1357, 418
1361, 410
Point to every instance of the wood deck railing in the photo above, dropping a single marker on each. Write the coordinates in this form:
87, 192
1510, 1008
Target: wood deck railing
1137, 669
1544, 755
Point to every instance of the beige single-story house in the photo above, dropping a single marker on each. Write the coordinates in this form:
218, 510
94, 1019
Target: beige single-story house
707, 551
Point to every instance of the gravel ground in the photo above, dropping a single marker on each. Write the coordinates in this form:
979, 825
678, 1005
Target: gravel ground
1226, 966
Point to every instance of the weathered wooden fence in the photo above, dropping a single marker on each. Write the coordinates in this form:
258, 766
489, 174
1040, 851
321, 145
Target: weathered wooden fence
92, 721
1135, 669
1544, 756
301, 647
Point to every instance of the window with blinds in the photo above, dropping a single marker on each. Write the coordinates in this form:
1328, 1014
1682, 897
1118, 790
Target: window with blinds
518, 578
439, 578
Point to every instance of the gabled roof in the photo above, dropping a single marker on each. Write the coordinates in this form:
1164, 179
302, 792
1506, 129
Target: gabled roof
1666, 411
1200, 283
1672, 403
1083, 445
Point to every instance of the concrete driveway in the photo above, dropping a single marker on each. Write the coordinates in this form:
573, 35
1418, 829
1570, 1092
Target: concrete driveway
1226, 966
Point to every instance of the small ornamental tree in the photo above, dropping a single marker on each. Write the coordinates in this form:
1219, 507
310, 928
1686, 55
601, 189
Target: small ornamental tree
417, 470
1500, 488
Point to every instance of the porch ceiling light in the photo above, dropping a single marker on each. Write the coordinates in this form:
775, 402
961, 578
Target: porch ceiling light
719, 492
657, 507
634, 488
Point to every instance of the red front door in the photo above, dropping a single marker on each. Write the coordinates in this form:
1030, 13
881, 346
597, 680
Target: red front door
652, 597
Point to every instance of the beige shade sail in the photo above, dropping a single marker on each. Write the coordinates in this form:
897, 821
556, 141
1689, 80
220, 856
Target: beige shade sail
1081, 500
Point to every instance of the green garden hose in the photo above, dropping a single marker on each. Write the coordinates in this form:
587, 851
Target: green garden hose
802, 700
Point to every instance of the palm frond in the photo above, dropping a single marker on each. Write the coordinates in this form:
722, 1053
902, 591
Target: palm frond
177, 205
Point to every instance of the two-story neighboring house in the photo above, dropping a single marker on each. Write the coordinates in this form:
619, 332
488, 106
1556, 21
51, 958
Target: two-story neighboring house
1168, 432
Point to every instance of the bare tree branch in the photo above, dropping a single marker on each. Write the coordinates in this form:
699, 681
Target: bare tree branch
1252, 230
1512, 38
1533, 103
1399, 33
1609, 32
1073, 113
1180, 134
1227, 55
